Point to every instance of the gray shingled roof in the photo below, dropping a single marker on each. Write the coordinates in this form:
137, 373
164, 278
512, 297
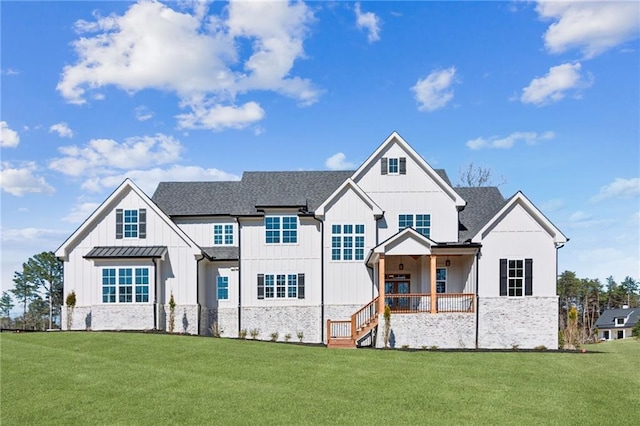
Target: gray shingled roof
299, 189
222, 253
306, 189
482, 204
126, 251
608, 318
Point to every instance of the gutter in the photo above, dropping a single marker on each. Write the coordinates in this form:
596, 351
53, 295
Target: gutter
198, 293
155, 294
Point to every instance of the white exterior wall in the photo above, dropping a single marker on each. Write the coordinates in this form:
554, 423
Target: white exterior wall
177, 272
261, 258
348, 282
518, 236
200, 230
413, 193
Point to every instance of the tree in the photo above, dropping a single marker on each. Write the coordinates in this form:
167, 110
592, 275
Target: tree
24, 292
6, 305
629, 289
45, 270
472, 175
37, 314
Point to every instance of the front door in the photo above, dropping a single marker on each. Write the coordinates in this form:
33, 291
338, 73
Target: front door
397, 284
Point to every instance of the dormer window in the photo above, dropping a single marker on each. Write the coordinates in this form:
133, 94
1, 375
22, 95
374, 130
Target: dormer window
393, 166
131, 223
620, 321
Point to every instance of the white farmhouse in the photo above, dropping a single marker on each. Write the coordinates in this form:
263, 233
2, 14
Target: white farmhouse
318, 256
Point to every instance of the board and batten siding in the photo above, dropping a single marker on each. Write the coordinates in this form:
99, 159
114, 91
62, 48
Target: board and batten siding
258, 257
412, 193
176, 273
200, 230
518, 236
348, 282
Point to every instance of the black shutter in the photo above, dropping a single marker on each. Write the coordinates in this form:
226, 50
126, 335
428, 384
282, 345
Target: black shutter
503, 277
403, 165
260, 286
384, 165
118, 224
300, 286
142, 223
528, 277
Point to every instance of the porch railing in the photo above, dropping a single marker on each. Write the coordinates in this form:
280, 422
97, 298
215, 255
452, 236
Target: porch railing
445, 302
348, 332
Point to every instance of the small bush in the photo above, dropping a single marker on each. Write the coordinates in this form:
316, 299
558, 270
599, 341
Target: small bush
243, 333
635, 332
405, 346
254, 333
434, 347
274, 336
300, 336
540, 348
172, 313
216, 331
287, 337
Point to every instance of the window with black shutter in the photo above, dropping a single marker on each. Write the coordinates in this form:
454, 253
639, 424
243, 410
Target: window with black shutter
119, 225
142, 223
300, 286
260, 286
384, 166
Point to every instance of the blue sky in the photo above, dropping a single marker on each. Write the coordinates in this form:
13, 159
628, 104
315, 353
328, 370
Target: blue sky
545, 94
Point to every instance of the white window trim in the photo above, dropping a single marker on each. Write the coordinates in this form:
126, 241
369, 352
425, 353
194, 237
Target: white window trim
133, 285
397, 172
522, 279
275, 285
218, 288
281, 230
124, 224
446, 278
353, 247
223, 235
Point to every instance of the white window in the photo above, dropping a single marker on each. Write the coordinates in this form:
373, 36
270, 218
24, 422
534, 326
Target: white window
422, 223
281, 286
119, 284
515, 280
347, 242
223, 288
620, 321
393, 166
281, 229
223, 235
131, 223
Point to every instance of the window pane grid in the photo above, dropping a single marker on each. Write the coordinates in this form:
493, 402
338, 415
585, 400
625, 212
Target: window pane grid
108, 286
269, 287
393, 166
292, 285
223, 288
131, 223
342, 242
515, 282
280, 286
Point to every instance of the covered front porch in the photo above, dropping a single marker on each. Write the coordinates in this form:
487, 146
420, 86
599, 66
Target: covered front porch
414, 274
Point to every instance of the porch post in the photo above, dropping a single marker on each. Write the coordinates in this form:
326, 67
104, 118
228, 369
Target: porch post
432, 272
381, 284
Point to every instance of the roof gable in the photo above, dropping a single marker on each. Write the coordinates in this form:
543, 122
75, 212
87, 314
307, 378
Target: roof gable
608, 318
406, 242
125, 187
442, 182
519, 199
349, 185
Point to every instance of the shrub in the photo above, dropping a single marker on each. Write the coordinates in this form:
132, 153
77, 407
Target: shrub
172, 313
274, 336
254, 333
216, 331
387, 325
300, 336
287, 337
635, 332
71, 304
540, 348
242, 333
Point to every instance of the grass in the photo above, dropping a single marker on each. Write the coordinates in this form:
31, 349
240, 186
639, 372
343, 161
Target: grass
126, 378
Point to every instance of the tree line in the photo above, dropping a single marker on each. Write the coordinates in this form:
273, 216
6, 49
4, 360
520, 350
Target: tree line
38, 291
582, 300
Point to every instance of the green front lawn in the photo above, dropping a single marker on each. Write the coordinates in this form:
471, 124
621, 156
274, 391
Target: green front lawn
128, 378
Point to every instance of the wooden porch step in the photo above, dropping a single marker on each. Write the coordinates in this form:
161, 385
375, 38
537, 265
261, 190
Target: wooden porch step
341, 343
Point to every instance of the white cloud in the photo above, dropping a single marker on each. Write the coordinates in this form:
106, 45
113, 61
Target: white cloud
10, 71
369, 22
580, 219
80, 212
220, 117
143, 113
9, 138
433, 91
30, 234
619, 188
593, 27
62, 129
100, 156
144, 49
530, 138
555, 85
338, 162
148, 180
22, 180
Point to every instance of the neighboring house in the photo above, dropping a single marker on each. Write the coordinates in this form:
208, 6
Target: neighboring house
617, 323
319, 254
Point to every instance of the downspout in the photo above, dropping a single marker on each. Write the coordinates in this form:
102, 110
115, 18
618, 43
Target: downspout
322, 325
477, 297
239, 279
198, 293
155, 294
